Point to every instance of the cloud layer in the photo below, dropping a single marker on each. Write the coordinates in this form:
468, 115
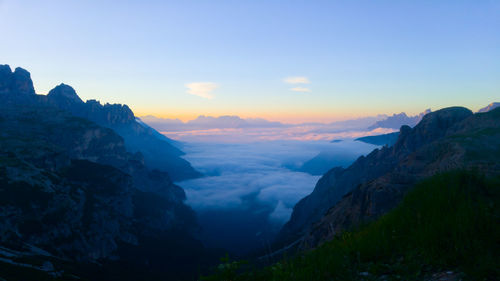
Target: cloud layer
301, 89
297, 80
248, 193
201, 89
236, 171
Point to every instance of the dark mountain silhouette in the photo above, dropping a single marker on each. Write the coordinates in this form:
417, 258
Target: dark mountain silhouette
75, 201
157, 150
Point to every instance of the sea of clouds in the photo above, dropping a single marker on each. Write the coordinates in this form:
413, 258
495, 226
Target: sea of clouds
256, 181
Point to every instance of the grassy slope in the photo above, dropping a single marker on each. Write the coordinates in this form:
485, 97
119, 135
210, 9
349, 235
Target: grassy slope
447, 222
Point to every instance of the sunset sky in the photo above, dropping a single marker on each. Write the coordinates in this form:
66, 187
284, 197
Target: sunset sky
290, 61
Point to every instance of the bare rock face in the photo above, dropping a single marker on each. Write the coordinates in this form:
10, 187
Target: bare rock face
377, 170
16, 89
64, 94
17, 82
71, 188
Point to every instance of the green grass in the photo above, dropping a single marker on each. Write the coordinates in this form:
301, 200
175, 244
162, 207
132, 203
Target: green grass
447, 222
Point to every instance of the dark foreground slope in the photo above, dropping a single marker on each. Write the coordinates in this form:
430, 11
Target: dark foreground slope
451, 138
75, 202
446, 228
71, 193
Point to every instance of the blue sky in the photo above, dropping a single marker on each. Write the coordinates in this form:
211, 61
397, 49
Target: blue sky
186, 58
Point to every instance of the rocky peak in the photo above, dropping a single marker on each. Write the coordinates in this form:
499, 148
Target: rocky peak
18, 82
5, 77
64, 93
22, 82
432, 127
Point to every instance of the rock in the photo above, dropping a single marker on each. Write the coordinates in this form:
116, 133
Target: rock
15, 83
64, 94
22, 83
445, 140
374, 184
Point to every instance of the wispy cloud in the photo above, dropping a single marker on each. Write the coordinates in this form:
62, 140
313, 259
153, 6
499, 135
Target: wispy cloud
201, 89
297, 80
301, 89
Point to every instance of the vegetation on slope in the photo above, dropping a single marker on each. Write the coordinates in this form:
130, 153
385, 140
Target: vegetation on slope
448, 222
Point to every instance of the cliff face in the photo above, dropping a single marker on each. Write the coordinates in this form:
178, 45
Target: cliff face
158, 151
473, 143
18, 81
374, 184
16, 88
70, 190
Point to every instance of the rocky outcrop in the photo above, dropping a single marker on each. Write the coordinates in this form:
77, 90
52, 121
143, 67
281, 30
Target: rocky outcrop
158, 152
69, 187
18, 82
446, 140
375, 167
72, 189
17, 88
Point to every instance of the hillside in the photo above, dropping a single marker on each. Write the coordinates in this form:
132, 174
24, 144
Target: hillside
446, 228
451, 138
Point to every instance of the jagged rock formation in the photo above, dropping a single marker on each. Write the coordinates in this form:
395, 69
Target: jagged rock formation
447, 139
157, 150
70, 188
18, 81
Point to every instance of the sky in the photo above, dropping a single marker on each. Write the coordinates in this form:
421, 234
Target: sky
289, 61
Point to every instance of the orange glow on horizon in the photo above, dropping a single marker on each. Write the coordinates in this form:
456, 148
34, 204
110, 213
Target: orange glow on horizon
289, 118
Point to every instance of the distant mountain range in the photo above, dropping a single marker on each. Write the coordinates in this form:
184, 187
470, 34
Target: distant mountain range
397, 120
235, 122
208, 122
489, 107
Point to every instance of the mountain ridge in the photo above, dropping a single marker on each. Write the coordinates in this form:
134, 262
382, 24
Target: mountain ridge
338, 182
74, 199
158, 151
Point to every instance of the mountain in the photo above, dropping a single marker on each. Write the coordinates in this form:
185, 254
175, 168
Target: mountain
208, 122
436, 145
158, 151
385, 139
451, 138
397, 120
74, 202
445, 228
489, 107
